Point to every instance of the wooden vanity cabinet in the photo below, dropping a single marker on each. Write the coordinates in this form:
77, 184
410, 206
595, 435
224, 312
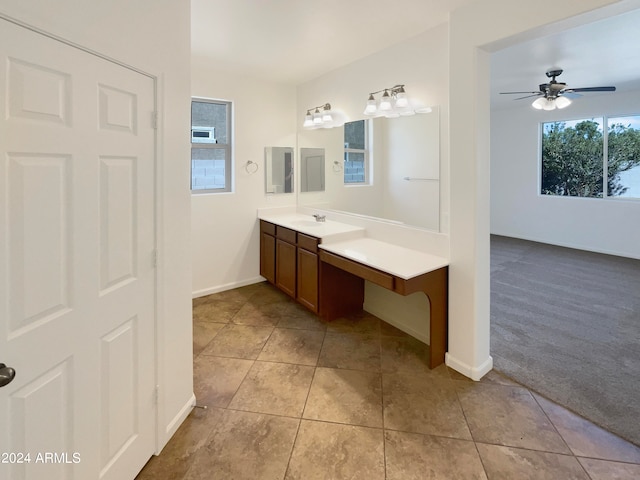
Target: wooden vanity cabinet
308, 271
286, 266
289, 260
268, 251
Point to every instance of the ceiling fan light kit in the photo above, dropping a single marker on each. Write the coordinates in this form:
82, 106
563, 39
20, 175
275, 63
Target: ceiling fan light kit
552, 95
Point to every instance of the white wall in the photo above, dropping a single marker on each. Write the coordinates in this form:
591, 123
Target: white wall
517, 208
224, 227
153, 36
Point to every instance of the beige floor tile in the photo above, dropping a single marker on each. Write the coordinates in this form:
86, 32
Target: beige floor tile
586, 439
507, 463
412, 456
203, 333
351, 351
245, 445
508, 416
406, 355
331, 451
605, 470
238, 341
345, 396
265, 293
363, 323
216, 379
219, 311
413, 403
295, 315
259, 315
275, 388
293, 346
387, 330
178, 454
492, 377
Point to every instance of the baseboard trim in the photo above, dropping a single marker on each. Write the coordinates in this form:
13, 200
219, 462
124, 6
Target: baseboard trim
474, 373
227, 286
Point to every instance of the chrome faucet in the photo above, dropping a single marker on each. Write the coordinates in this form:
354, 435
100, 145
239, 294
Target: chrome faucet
319, 218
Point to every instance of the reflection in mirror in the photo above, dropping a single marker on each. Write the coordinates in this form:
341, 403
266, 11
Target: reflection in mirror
312, 169
278, 168
403, 183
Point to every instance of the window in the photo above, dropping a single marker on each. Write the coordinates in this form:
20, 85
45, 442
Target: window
210, 146
356, 152
578, 155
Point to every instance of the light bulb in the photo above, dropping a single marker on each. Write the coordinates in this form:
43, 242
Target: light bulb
550, 105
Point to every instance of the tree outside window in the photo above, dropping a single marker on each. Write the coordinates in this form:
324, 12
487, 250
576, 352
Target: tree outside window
576, 163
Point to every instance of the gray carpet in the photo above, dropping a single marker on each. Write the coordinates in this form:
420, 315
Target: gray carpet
566, 323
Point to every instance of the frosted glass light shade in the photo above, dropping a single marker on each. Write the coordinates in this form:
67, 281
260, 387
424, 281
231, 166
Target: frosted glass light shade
308, 120
562, 102
401, 100
385, 101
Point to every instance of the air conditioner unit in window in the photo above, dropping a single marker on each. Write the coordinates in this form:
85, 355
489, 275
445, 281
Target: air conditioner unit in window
203, 135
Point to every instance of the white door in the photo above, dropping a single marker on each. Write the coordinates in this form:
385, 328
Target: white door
77, 274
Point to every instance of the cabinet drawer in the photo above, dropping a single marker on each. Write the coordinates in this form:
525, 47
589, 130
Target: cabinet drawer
286, 234
371, 274
307, 242
267, 227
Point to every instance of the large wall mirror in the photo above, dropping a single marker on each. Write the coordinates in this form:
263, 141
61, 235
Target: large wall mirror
388, 168
278, 168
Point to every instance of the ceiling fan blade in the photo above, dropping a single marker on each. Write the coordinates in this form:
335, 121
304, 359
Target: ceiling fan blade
529, 96
510, 93
592, 89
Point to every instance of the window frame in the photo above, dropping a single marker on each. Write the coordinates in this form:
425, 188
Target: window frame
605, 157
225, 147
367, 155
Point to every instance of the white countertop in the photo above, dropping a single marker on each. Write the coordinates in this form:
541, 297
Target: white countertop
399, 261
308, 225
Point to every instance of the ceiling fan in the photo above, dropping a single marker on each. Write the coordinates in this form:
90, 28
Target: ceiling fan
556, 94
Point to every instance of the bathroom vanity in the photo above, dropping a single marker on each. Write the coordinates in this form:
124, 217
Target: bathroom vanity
324, 265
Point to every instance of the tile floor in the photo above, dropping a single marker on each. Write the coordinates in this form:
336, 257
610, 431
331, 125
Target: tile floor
292, 397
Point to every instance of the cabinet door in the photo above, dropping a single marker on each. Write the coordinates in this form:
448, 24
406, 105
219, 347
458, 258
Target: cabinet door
308, 279
286, 267
268, 257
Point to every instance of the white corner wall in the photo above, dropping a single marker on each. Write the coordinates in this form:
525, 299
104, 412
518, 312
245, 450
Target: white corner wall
518, 209
224, 226
474, 31
155, 38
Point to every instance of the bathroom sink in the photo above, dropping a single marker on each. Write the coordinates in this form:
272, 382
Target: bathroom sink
307, 223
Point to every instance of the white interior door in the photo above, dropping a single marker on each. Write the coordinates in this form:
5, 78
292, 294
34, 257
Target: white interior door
77, 274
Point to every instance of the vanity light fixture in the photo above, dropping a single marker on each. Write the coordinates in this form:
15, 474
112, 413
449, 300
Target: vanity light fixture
393, 103
320, 116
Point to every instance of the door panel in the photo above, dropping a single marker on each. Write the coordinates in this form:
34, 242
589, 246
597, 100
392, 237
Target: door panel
77, 277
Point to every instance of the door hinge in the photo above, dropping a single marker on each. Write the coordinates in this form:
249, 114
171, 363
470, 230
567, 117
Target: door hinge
157, 395
154, 120
154, 258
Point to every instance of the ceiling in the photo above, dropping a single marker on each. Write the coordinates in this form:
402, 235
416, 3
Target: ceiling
293, 41
601, 53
